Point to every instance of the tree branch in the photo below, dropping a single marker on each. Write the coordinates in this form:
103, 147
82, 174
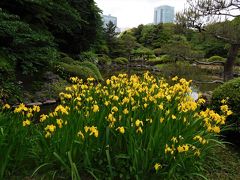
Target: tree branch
209, 63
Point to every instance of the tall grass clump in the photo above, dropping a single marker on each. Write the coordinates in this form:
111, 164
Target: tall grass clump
126, 128
16, 140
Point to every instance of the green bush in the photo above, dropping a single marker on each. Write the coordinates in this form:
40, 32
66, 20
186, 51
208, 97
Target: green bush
69, 70
120, 60
160, 60
155, 61
229, 91
72, 63
158, 51
166, 59
89, 56
93, 68
216, 58
104, 60
67, 60
237, 62
5, 66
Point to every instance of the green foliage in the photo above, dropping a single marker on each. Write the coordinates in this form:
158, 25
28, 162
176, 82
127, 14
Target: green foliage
89, 56
15, 144
178, 48
28, 48
166, 59
120, 60
229, 91
237, 62
111, 38
36, 34
93, 68
155, 61
5, 66
158, 52
83, 70
67, 60
216, 58
143, 52
74, 28
104, 60
127, 42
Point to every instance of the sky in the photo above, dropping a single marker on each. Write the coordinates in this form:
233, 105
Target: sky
131, 13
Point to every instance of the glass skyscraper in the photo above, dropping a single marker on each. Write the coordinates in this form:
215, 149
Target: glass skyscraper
164, 14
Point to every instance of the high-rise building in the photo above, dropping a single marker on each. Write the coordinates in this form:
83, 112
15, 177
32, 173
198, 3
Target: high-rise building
107, 18
163, 14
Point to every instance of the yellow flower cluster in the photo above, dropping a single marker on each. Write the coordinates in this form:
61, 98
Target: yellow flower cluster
6, 106
157, 166
121, 130
147, 109
49, 130
200, 139
212, 120
62, 109
26, 112
93, 130
183, 148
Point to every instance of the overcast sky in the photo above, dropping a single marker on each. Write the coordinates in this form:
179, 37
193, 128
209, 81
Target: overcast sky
131, 13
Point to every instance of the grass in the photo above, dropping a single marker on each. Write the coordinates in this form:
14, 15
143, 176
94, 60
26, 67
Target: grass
227, 166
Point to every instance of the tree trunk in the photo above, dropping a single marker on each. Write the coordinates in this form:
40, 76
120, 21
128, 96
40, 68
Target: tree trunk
228, 67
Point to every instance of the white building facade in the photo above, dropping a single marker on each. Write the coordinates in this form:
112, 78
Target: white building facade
164, 14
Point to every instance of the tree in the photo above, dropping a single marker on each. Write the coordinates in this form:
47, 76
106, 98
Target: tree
178, 48
200, 12
127, 44
75, 25
111, 38
143, 52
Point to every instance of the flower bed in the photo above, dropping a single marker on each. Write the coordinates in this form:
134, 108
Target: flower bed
129, 128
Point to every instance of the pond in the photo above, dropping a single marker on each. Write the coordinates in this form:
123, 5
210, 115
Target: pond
200, 76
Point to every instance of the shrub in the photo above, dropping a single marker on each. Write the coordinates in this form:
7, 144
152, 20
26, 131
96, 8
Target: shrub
89, 56
5, 66
68, 70
166, 59
158, 52
113, 126
104, 60
94, 69
229, 91
67, 65
67, 60
216, 58
237, 62
120, 60
160, 60
155, 61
